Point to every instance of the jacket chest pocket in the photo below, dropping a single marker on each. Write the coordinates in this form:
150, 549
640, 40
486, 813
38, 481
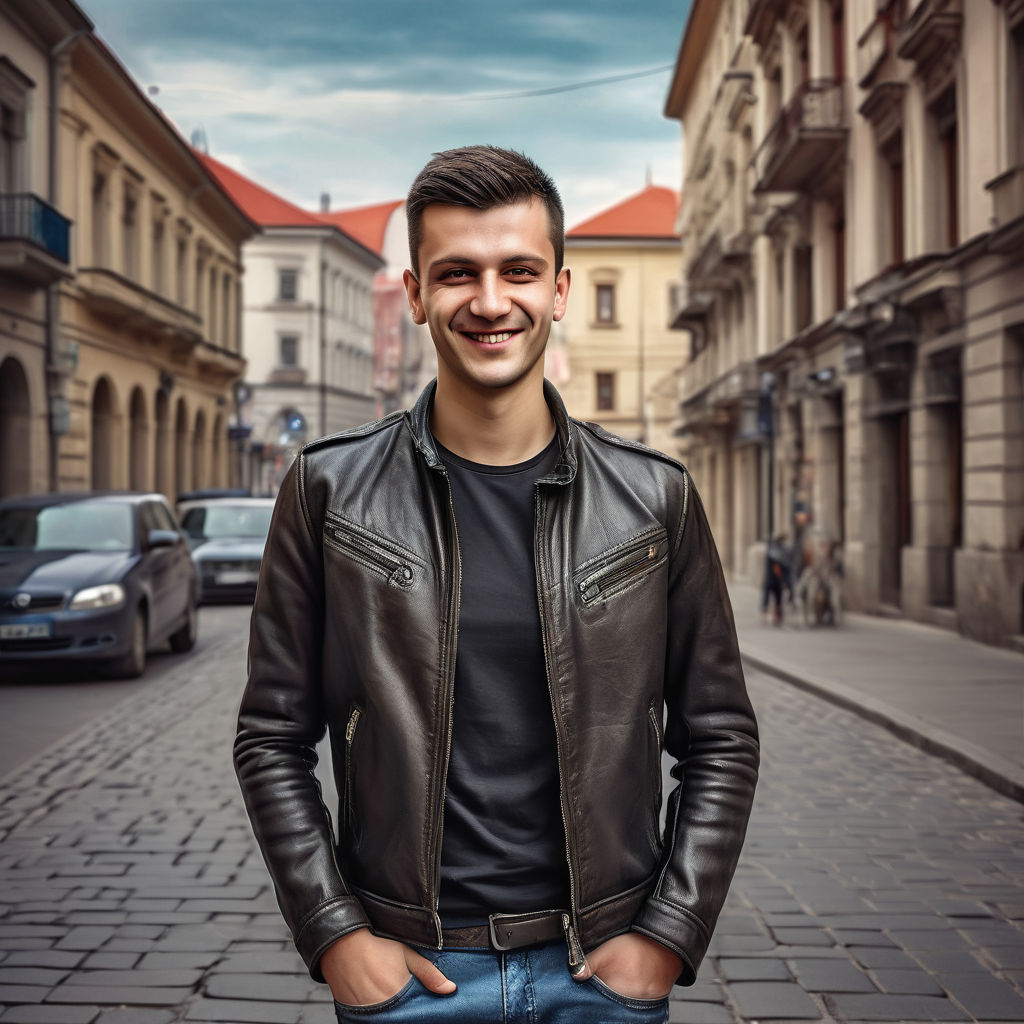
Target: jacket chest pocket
397, 566
622, 567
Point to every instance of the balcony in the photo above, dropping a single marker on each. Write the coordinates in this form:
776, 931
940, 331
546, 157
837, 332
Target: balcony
129, 305
931, 35
762, 16
33, 239
808, 137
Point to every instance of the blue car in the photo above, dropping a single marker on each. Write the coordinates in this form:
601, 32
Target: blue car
93, 578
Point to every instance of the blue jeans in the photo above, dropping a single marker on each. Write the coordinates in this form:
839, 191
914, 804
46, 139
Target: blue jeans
525, 986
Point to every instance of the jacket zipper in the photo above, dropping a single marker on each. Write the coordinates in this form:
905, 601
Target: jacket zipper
604, 579
454, 601
350, 734
570, 924
398, 572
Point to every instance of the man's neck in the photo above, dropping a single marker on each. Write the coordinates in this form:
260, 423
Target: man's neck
499, 428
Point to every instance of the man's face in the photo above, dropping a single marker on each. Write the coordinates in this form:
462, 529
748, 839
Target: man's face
487, 289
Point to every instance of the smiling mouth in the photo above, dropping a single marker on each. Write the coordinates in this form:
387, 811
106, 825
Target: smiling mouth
490, 339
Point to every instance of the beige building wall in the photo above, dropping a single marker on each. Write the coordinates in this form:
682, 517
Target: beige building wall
636, 351
853, 245
149, 325
33, 239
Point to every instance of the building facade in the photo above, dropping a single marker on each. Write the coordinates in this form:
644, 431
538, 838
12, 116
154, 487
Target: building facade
308, 329
34, 238
853, 243
404, 356
618, 345
122, 374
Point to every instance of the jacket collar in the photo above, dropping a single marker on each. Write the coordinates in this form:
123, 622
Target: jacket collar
564, 472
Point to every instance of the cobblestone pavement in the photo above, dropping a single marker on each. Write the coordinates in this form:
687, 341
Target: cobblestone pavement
877, 884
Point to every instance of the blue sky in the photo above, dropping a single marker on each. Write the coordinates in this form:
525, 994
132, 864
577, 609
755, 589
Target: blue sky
330, 95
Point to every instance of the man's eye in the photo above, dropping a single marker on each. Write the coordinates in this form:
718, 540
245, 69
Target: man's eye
455, 274
520, 272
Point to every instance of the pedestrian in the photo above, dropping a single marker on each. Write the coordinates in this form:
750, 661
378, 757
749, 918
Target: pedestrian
493, 608
778, 581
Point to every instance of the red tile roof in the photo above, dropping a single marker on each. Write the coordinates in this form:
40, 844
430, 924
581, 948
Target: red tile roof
366, 224
260, 204
649, 214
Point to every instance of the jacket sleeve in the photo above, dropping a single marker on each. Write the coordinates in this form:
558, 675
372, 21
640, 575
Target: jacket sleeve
280, 721
712, 734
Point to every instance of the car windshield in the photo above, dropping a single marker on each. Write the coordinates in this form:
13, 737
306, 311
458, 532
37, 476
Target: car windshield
76, 526
222, 520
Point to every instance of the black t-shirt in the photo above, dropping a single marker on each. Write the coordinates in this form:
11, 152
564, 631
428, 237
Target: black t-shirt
504, 842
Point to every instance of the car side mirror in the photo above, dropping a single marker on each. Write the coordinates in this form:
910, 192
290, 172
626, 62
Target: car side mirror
162, 538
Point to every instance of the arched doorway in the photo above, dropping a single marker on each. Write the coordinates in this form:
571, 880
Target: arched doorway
199, 452
138, 443
180, 448
15, 430
102, 436
161, 450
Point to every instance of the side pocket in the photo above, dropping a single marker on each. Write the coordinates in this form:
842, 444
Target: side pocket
654, 720
347, 800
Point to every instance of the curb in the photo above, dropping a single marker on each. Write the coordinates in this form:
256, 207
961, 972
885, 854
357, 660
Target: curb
994, 771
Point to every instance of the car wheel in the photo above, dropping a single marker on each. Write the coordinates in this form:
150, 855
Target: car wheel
185, 638
133, 664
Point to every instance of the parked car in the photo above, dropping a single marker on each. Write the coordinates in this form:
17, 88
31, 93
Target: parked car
93, 577
227, 535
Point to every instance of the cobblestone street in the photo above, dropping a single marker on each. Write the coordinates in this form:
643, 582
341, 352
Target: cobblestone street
878, 883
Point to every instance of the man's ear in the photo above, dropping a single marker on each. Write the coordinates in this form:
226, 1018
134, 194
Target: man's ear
412, 291
561, 293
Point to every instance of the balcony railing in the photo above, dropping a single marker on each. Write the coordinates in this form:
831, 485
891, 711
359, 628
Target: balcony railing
805, 140
25, 217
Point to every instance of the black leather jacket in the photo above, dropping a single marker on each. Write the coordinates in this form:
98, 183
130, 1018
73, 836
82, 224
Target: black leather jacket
355, 626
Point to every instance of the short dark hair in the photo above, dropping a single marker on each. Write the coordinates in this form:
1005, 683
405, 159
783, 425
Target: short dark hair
482, 177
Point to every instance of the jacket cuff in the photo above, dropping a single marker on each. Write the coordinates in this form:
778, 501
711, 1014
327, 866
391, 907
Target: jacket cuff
678, 930
324, 927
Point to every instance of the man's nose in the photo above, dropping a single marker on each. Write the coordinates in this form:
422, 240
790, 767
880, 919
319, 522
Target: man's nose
490, 301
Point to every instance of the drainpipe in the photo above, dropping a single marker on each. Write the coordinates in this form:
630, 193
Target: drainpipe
58, 413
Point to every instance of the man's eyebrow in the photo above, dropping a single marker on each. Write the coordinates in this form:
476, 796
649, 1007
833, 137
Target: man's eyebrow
469, 261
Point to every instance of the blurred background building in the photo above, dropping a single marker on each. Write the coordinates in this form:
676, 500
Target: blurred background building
853, 248
616, 334
308, 328
120, 354
404, 356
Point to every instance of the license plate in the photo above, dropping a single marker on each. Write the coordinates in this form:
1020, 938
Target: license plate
234, 578
25, 630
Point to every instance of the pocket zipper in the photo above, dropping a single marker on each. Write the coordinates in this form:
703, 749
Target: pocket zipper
397, 572
350, 733
593, 586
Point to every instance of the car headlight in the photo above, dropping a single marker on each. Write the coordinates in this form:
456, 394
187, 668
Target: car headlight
108, 595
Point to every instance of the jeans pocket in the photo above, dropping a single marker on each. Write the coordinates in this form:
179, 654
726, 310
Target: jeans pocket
631, 1002
345, 1012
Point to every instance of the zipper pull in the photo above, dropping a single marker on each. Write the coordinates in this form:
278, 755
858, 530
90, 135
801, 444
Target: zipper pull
577, 961
353, 721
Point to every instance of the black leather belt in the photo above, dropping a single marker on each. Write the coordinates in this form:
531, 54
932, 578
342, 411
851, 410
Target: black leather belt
509, 931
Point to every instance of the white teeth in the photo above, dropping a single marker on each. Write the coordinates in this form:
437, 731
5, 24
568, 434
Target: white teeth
492, 339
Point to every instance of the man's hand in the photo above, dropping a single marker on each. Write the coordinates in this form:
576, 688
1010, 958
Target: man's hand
363, 969
634, 965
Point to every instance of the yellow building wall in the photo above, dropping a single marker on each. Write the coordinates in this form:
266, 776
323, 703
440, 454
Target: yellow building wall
638, 348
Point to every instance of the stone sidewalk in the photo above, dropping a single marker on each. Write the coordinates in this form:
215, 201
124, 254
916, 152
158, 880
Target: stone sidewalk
952, 697
877, 883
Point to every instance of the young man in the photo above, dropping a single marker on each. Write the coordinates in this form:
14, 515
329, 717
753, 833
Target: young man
493, 609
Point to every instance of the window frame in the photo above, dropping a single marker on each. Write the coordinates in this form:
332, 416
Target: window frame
283, 274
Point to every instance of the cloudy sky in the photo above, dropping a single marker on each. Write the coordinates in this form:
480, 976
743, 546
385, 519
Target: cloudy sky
307, 96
